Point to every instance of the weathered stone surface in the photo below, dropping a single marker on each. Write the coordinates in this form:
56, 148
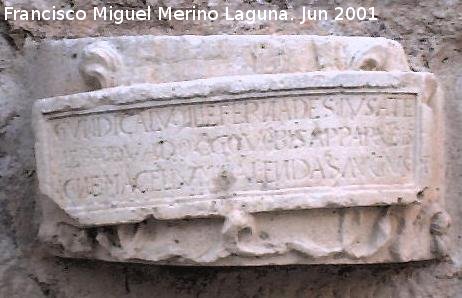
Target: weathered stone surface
107, 62
255, 162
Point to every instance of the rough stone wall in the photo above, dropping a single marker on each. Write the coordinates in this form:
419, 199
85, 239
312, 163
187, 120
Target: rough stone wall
431, 33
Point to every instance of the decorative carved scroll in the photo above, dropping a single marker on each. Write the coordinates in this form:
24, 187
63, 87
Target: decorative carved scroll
100, 64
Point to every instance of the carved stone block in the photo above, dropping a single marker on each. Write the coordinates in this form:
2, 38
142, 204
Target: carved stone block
242, 150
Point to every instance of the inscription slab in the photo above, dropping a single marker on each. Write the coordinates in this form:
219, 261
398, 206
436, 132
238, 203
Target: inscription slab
267, 153
292, 146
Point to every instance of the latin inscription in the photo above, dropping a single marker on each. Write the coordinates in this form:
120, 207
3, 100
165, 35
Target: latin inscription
226, 147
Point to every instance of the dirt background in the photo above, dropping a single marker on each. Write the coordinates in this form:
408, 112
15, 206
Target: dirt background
431, 33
